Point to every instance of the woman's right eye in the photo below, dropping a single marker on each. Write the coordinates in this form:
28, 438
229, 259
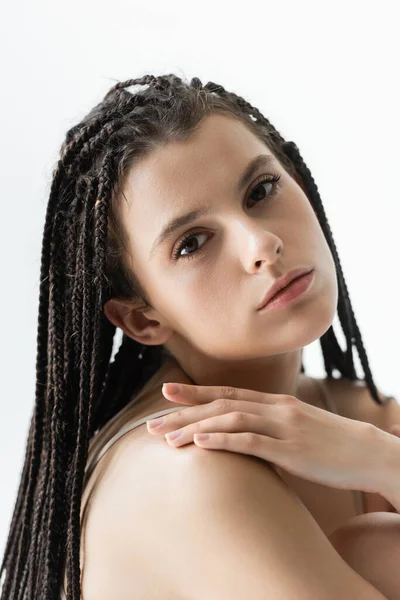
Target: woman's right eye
184, 244
273, 180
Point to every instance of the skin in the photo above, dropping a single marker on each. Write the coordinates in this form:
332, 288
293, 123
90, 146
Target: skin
370, 544
246, 242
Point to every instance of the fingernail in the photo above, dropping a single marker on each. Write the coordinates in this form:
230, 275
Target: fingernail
201, 436
173, 434
173, 388
155, 422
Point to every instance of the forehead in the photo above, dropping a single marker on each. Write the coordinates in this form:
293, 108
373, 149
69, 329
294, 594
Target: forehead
183, 175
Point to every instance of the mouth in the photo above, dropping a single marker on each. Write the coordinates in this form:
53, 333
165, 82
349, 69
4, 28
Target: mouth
290, 292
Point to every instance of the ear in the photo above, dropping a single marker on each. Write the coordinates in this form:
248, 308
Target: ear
131, 318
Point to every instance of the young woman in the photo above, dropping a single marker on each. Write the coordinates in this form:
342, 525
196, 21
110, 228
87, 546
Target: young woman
175, 213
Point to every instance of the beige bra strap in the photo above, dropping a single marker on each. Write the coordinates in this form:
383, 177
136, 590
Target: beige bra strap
122, 431
90, 467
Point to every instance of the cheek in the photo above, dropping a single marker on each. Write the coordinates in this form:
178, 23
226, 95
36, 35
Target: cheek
315, 237
324, 255
202, 305
311, 244
208, 293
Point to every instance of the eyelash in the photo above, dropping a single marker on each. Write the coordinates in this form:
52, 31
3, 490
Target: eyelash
274, 179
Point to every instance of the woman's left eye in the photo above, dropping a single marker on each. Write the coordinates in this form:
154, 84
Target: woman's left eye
273, 180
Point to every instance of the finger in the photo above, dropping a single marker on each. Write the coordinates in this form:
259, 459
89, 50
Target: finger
179, 394
230, 423
268, 449
202, 394
233, 422
194, 414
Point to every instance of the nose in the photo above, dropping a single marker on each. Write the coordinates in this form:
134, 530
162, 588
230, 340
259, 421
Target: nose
261, 248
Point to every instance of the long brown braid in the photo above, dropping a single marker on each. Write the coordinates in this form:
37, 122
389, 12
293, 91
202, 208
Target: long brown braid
78, 387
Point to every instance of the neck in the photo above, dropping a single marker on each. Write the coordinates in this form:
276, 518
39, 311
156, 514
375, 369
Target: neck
278, 374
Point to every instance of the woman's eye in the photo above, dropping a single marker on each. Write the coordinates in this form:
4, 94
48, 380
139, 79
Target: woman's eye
186, 241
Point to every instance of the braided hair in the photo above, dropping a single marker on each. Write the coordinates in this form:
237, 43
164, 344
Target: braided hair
83, 264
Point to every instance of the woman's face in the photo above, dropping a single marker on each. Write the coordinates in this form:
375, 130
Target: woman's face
205, 291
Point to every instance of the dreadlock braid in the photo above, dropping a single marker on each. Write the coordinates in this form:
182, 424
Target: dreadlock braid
84, 399
83, 264
17, 546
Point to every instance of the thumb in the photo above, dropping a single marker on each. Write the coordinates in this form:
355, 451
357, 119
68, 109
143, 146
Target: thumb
183, 394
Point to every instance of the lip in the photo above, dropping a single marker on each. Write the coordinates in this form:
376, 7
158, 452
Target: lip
283, 282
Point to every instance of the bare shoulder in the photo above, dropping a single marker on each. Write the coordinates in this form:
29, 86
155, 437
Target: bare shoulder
135, 488
220, 524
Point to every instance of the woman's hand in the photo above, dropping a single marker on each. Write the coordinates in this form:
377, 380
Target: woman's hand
307, 441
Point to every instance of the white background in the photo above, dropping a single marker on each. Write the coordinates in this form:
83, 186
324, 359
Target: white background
325, 74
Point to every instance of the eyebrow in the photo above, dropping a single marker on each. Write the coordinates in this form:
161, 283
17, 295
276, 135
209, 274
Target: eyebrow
190, 217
